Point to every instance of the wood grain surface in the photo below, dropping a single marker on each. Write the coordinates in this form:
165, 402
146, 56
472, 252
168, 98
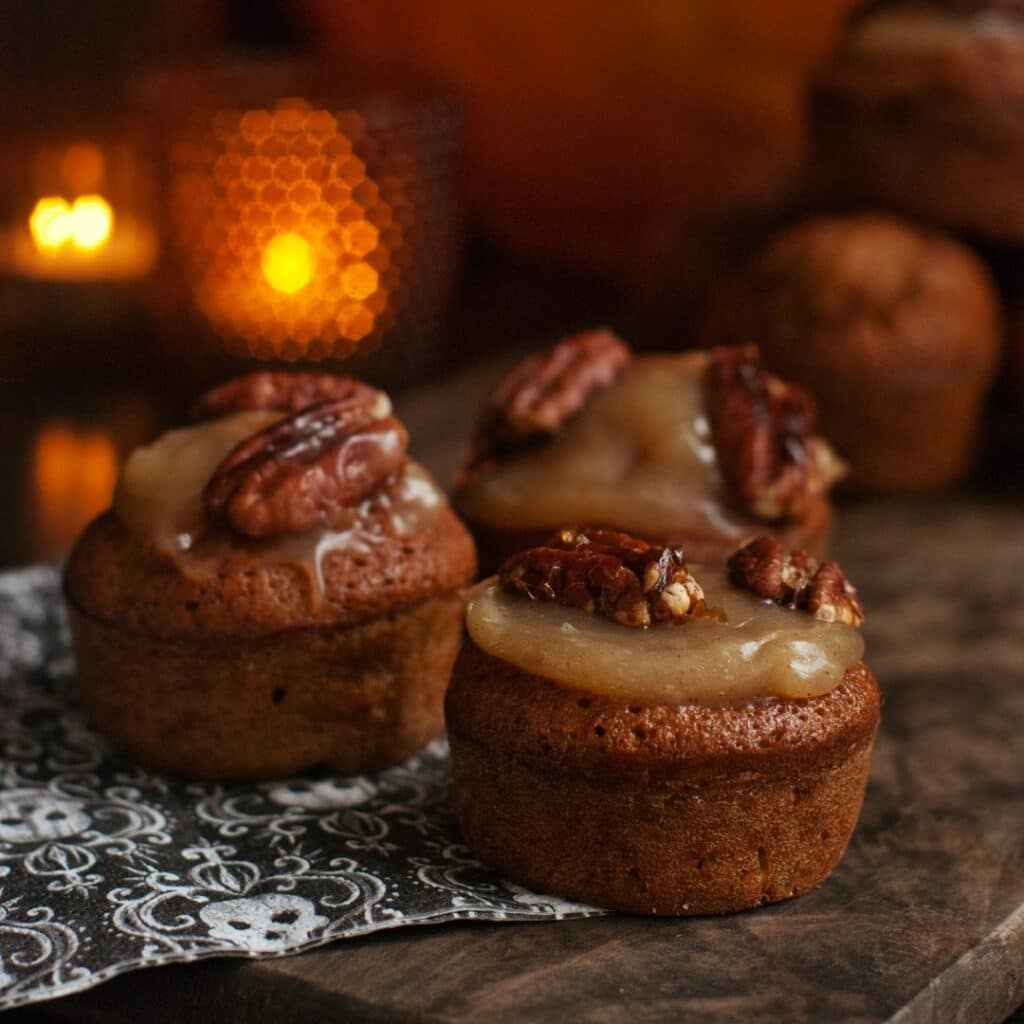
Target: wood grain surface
923, 921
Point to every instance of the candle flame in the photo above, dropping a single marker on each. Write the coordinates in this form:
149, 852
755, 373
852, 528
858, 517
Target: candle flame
84, 225
288, 263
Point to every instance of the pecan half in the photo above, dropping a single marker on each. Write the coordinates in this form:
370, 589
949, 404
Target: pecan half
544, 392
608, 573
307, 470
763, 430
285, 392
795, 580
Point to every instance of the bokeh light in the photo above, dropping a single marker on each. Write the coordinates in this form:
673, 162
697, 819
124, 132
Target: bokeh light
291, 249
73, 471
92, 220
288, 263
85, 224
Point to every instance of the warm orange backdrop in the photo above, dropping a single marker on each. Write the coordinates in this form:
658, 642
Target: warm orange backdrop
597, 128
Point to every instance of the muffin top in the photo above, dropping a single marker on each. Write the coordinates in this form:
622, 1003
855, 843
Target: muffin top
602, 612
600, 654
291, 503
702, 444
869, 295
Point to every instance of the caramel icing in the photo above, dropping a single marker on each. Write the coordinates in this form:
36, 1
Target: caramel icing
160, 492
762, 651
638, 457
160, 496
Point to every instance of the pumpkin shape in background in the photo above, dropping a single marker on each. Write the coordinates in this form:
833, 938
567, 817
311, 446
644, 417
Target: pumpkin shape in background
599, 131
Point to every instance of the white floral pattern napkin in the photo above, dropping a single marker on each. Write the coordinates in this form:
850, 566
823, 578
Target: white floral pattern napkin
105, 868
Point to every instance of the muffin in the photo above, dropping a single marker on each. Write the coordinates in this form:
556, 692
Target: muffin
613, 740
917, 110
700, 449
895, 330
276, 589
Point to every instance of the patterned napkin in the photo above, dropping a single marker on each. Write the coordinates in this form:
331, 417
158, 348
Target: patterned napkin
105, 868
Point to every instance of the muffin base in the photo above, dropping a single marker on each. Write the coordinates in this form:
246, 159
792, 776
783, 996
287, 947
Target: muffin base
722, 811
345, 700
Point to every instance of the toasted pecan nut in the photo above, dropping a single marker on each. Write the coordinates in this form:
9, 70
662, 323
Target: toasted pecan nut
608, 573
795, 580
306, 471
545, 391
763, 430
285, 392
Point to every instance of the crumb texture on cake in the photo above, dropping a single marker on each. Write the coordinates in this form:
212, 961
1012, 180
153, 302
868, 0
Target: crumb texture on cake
553, 727
345, 700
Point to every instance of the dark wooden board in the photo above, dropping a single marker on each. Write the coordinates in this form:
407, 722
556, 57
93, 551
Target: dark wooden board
922, 921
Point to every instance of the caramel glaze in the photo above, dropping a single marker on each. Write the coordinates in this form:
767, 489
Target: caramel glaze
156, 564
762, 650
639, 457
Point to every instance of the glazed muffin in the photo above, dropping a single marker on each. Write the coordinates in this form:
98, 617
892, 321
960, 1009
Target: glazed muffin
916, 110
277, 588
894, 329
613, 740
700, 449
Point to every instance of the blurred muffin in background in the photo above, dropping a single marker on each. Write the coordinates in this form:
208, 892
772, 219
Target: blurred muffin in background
896, 331
918, 110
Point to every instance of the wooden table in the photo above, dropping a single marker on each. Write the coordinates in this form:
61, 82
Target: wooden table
922, 921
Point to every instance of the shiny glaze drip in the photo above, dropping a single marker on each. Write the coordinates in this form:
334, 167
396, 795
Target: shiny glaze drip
160, 496
762, 651
639, 457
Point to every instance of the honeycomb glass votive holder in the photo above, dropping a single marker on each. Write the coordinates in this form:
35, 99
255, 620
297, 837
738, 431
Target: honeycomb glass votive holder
310, 221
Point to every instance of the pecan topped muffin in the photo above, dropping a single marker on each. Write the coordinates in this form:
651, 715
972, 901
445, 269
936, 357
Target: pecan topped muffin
660, 737
702, 449
276, 588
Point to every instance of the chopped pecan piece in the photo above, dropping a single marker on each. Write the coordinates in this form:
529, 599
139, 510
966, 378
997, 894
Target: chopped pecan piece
544, 392
307, 470
608, 573
285, 392
795, 580
763, 430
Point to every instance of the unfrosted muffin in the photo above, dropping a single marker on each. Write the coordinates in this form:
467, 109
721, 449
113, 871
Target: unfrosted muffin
615, 741
917, 110
277, 588
894, 329
700, 449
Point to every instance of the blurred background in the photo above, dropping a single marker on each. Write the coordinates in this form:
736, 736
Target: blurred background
400, 189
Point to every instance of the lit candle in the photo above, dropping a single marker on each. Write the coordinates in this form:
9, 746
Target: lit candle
77, 236
292, 246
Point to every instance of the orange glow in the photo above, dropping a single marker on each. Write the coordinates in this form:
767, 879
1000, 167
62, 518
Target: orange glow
292, 249
359, 281
288, 263
83, 167
84, 225
73, 477
360, 237
50, 223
